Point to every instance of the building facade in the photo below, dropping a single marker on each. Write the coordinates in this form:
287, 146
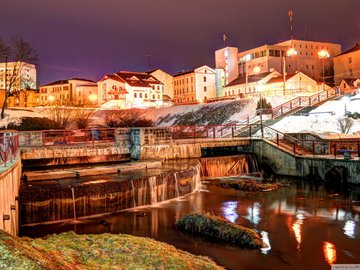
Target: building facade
127, 89
347, 64
272, 84
194, 86
274, 57
22, 74
166, 79
72, 92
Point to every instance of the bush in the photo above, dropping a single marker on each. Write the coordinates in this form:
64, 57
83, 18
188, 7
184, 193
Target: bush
263, 104
127, 118
219, 229
34, 123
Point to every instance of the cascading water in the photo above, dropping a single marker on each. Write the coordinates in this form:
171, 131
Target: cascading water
133, 192
229, 165
176, 186
49, 201
73, 201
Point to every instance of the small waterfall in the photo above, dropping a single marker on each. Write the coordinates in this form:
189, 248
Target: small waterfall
133, 192
177, 194
73, 201
229, 165
153, 190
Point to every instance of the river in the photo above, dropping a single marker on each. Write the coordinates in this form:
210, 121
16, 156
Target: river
306, 226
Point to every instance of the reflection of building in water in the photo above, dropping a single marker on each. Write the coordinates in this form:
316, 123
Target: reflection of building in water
350, 228
254, 213
329, 252
265, 239
297, 228
229, 210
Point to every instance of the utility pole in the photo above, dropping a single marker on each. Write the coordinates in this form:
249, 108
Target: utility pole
291, 15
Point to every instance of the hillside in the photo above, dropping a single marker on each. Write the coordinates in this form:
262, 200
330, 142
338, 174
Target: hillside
103, 251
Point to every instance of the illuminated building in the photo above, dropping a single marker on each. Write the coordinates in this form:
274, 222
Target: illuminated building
194, 86
347, 64
26, 75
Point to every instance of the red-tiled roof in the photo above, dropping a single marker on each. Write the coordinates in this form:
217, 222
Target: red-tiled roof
139, 79
67, 81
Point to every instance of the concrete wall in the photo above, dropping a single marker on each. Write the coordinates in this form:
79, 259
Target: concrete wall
284, 163
9, 191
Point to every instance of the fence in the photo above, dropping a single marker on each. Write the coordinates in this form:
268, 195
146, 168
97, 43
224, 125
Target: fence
9, 146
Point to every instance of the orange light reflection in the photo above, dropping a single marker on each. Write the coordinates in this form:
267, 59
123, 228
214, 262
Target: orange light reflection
329, 253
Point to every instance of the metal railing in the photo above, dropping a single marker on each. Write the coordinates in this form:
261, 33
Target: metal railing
9, 146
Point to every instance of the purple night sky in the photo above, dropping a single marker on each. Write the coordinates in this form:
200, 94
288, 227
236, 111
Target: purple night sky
89, 38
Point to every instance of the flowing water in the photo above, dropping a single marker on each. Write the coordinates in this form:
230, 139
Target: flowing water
306, 226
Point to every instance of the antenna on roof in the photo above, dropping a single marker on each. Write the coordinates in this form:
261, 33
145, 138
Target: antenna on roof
291, 15
224, 39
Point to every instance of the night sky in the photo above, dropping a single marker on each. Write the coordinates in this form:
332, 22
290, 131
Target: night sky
89, 38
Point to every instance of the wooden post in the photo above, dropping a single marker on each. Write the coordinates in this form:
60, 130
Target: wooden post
232, 131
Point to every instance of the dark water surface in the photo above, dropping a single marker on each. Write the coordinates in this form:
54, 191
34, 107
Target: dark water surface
307, 226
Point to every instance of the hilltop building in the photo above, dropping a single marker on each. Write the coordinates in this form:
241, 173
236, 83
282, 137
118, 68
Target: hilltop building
75, 91
167, 80
127, 89
26, 75
268, 58
347, 64
194, 86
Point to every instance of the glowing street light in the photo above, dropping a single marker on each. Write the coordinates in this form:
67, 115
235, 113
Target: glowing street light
323, 54
51, 99
93, 98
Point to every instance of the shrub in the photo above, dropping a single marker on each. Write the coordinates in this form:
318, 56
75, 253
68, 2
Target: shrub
219, 229
34, 123
263, 104
127, 118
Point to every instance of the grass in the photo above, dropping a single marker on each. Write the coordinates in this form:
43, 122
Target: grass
251, 185
103, 251
220, 230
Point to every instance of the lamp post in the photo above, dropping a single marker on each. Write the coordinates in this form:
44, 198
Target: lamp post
93, 98
323, 54
51, 99
289, 53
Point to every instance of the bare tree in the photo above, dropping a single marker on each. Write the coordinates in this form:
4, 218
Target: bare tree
61, 116
18, 52
345, 124
83, 118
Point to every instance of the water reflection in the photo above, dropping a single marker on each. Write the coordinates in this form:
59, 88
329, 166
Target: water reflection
229, 210
350, 228
329, 252
297, 228
265, 239
254, 213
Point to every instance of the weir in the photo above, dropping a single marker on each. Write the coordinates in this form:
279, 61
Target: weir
67, 199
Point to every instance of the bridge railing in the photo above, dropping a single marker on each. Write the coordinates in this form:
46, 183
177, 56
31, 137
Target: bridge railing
317, 146
9, 146
65, 137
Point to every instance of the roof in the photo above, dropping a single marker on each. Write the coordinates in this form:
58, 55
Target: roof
67, 81
184, 72
353, 49
137, 79
281, 78
251, 78
167, 98
350, 82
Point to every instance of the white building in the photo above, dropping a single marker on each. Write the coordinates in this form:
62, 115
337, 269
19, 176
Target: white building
128, 89
166, 79
195, 85
23, 73
272, 84
74, 91
347, 64
268, 57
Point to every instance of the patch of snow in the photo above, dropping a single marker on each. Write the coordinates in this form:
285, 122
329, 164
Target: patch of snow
14, 116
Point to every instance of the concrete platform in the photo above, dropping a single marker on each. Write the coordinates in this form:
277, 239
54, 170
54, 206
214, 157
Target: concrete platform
88, 171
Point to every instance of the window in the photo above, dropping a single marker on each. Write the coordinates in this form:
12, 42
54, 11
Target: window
153, 96
205, 88
135, 95
146, 95
204, 78
158, 87
344, 86
140, 95
350, 60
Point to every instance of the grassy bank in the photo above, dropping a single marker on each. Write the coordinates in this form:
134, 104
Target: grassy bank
219, 229
104, 251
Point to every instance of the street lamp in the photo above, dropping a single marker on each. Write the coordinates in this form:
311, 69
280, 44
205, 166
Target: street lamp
289, 53
323, 54
51, 99
93, 98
